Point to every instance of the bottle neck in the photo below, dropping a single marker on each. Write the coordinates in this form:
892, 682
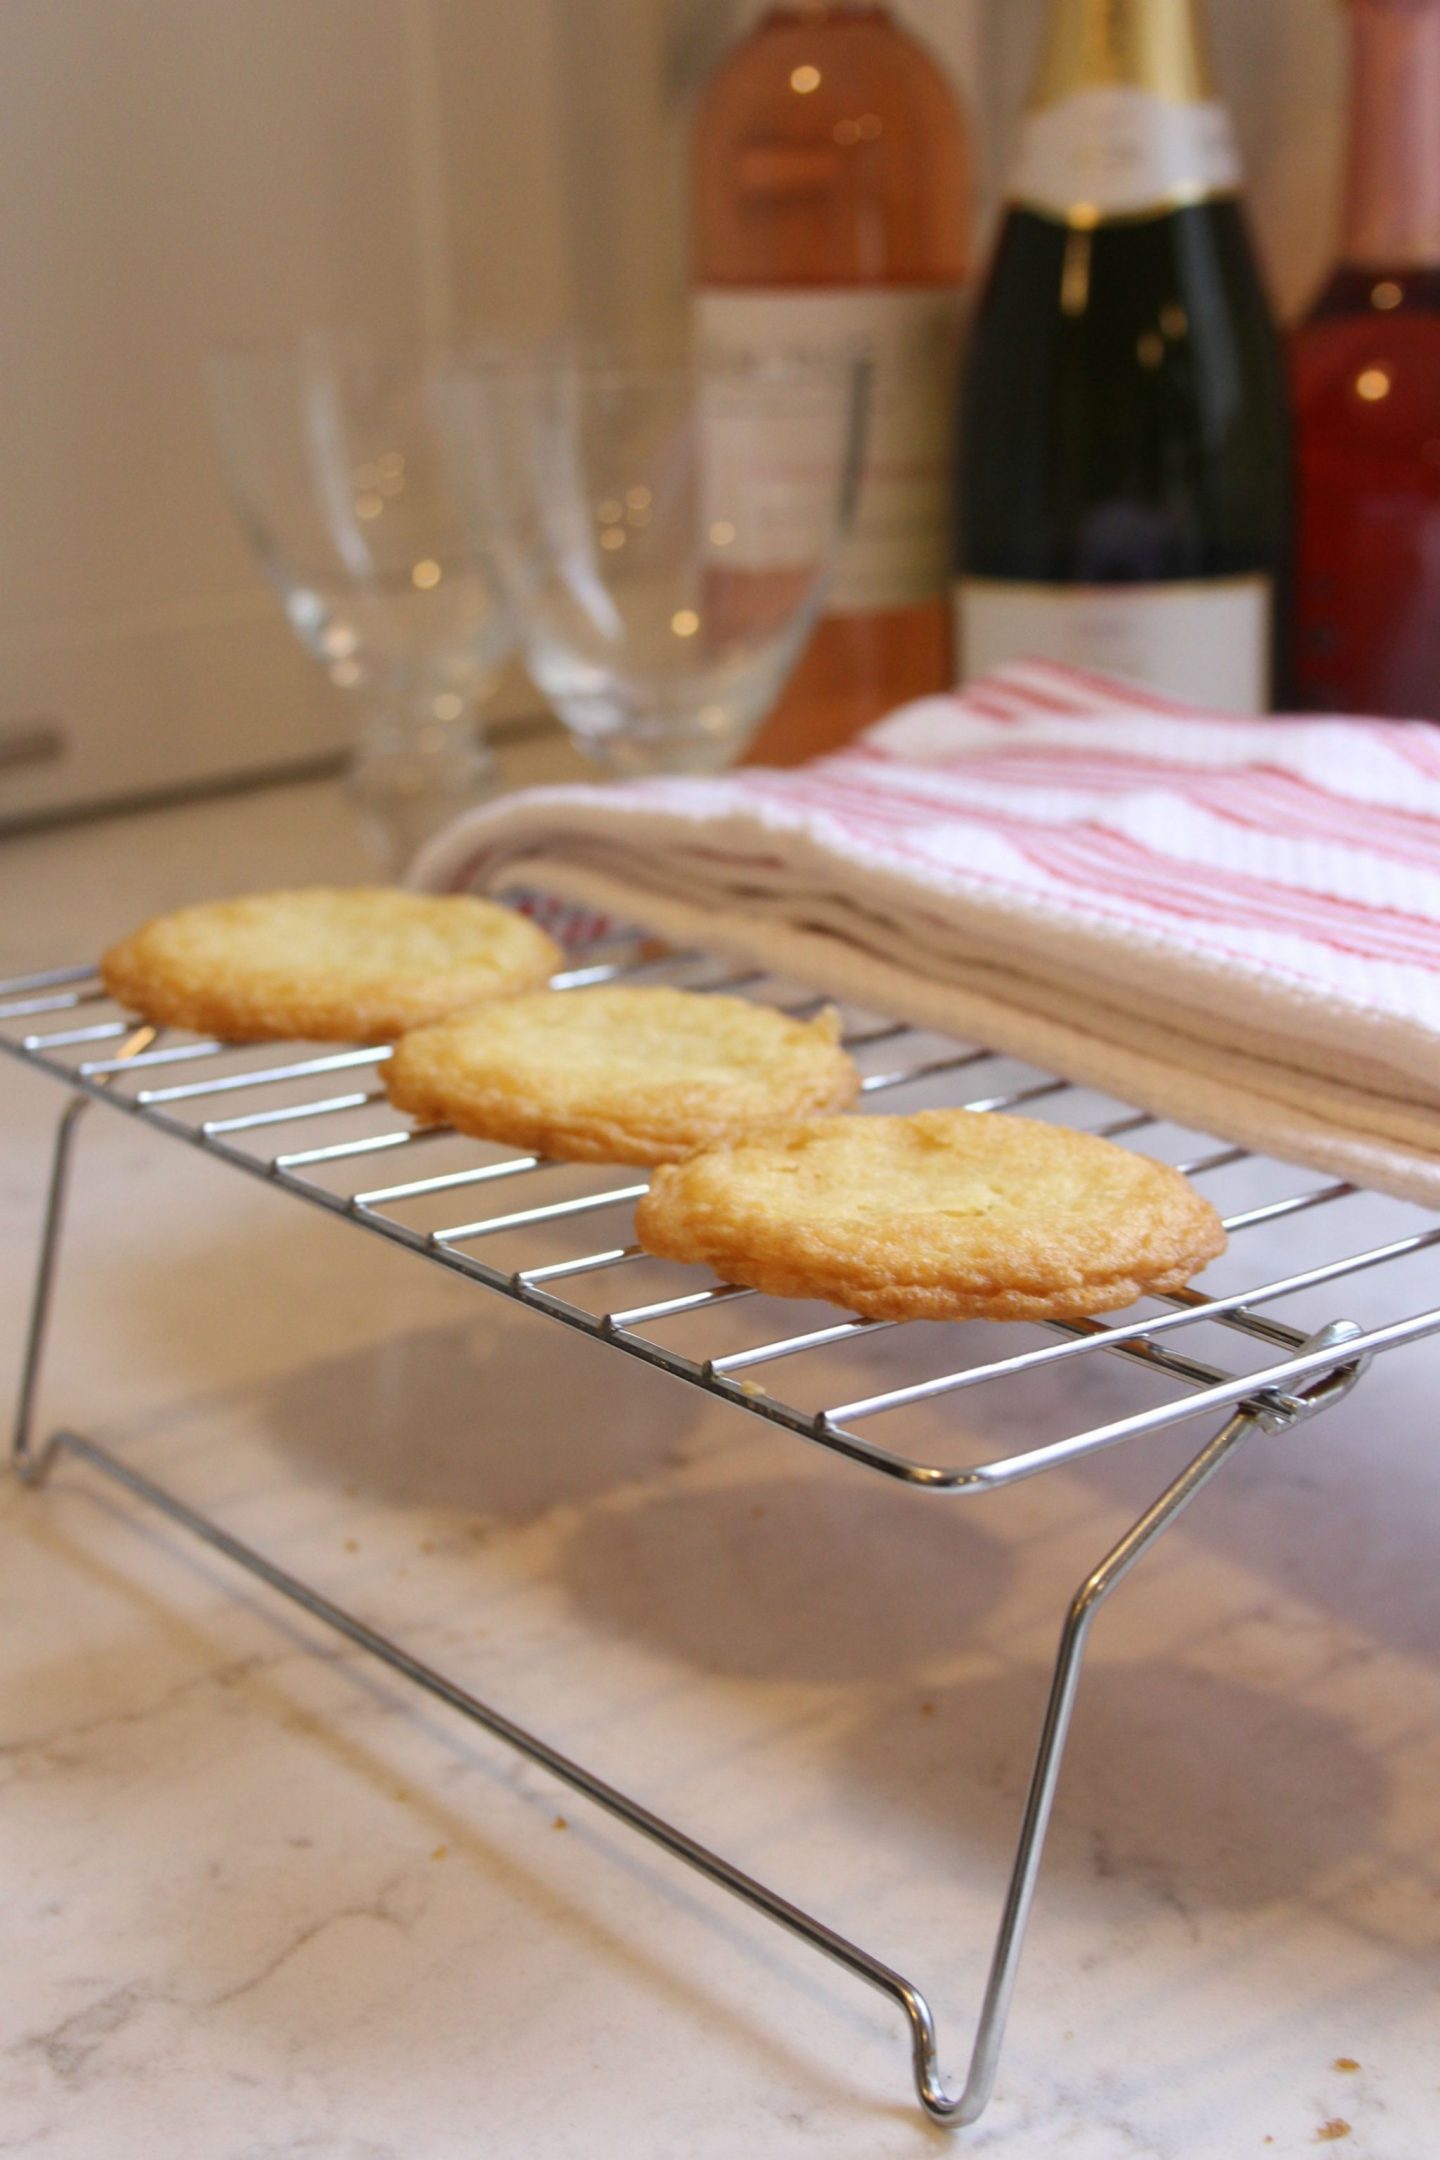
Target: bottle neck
1392, 190
1123, 122
1153, 45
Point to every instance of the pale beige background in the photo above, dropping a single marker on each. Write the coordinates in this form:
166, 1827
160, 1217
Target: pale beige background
176, 174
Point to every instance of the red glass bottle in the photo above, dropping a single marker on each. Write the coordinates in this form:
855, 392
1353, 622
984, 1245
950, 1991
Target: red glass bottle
1366, 366
830, 209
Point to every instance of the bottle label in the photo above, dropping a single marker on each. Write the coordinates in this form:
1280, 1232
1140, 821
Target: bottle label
1206, 641
1113, 151
898, 551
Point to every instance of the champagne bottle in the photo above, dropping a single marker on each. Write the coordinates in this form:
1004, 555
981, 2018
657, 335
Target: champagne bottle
831, 214
1366, 365
1124, 499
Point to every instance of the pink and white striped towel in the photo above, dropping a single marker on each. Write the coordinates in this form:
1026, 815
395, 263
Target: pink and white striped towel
1234, 923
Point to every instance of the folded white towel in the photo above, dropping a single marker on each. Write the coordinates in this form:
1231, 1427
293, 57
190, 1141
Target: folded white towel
1233, 923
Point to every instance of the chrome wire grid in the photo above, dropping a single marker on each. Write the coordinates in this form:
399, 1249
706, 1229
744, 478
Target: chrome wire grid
557, 1238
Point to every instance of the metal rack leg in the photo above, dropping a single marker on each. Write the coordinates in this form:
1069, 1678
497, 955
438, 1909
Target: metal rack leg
30, 1462
964, 2107
954, 2111
958, 2110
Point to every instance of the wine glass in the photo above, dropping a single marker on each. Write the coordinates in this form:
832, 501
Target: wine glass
339, 469
666, 533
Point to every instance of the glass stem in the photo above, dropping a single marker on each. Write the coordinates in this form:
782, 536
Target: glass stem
412, 772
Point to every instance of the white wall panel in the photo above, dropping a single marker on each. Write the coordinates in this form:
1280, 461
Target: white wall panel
181, 174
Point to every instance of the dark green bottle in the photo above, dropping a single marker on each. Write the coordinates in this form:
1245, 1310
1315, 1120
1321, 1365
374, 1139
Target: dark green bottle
1124, 442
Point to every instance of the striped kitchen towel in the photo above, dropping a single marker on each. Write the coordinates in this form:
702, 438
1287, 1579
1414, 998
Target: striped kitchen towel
1234, 923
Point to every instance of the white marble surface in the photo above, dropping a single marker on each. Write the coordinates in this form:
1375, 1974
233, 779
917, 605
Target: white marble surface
260, 1901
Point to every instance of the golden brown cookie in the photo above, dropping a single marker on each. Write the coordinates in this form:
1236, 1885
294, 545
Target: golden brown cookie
352, 964
620, 1075
946, 1215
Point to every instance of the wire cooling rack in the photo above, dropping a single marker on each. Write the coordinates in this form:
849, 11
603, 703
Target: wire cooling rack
315, 1121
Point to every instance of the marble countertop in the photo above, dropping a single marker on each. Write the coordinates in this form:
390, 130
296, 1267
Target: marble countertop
262, 1901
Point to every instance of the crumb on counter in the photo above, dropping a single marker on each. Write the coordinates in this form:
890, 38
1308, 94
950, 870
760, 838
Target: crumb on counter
1337, 2127
1345, 2062
559, 1823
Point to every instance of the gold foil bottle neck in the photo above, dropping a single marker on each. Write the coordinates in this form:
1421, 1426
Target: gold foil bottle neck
1154, 45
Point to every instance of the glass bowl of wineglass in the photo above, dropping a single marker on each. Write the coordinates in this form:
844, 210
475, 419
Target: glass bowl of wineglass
666, 532
341, 475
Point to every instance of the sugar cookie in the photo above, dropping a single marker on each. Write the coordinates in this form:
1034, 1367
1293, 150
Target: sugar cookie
620, 1074
349, 964
946, 1215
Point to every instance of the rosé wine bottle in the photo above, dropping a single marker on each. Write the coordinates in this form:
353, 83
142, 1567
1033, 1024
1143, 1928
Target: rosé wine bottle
1366, 367
831, 212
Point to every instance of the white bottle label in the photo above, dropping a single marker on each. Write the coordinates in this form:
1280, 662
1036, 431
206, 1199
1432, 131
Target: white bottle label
1207, 642
899, 548
1115, 151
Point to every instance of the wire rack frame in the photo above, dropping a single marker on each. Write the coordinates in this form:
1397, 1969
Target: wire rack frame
130, 1065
